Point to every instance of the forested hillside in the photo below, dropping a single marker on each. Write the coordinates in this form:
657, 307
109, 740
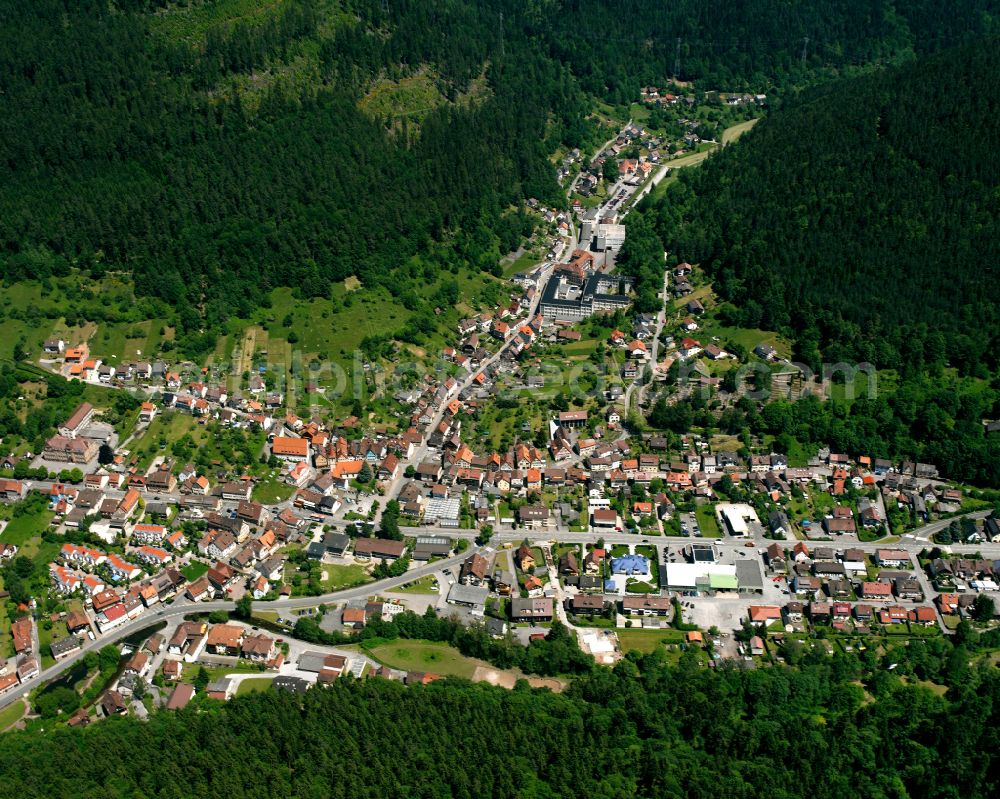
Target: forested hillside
832, 728
863, 224
864, 221
115, 155
616, 47
215, 150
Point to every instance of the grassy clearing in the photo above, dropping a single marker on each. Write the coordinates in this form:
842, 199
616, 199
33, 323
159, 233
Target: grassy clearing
432, 656
271, 491
707, 522
210, 444
732, 133
253, 685
22, 529
525, 261
338, 577
46, 637
190, 670
413, 95
166, 427
191, 23
11, 715
646, 641
691, 159
34, 330
744, 336
425, 585
194, 570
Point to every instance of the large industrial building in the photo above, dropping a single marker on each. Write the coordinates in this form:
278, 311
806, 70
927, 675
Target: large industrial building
564, 300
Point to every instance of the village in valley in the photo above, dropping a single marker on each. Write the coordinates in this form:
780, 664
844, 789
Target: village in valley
514, 485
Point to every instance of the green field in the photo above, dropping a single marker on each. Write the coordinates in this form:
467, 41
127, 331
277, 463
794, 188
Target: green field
707, 522
254, 684
207, 445
126, 326
272, 491
731, 134
525, 261
194, 570
46, 637
421, 586
192, 23
338, 577
190, 670
438, 658
411, 96
646, 641
22, 529
166, 428
11, 715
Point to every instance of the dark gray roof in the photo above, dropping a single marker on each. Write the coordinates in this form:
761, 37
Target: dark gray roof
294, 684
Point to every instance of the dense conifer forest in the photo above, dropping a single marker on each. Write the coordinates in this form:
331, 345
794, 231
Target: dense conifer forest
862, 223
863, 220
831, 728
127, 145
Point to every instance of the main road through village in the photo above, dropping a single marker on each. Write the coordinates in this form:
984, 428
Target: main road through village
912, 542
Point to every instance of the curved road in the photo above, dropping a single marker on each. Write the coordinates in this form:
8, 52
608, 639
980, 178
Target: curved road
183, 607
913, 541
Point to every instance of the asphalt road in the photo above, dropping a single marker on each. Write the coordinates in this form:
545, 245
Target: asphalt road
912, 542
183, 607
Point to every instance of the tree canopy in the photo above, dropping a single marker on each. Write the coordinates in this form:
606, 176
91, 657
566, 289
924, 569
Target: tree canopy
830, 727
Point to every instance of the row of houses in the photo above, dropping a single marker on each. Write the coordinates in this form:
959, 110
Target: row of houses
839, 613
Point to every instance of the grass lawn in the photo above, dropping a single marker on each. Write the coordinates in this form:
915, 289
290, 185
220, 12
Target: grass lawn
707, 522
271, 491
731, 134
422, 586
11, 715
194, 570
46, 637
338, 577
798, 455
23, 528
166, 428
822, 501
253, 685
646, 641
746, 337
439, 658
6, 640
524, 262
190, 670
